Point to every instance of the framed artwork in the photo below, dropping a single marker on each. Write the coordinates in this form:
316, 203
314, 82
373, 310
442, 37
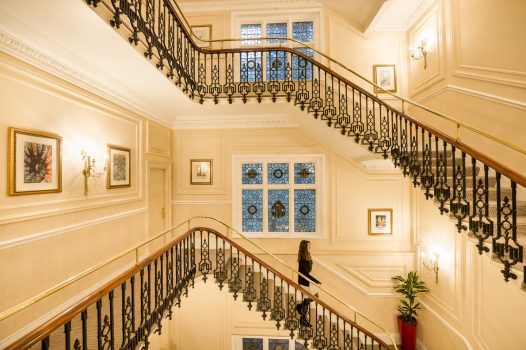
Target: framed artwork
201, 171
118, 167
380, 221
34, 162
384, 75
252, 344
203, 32
278, 344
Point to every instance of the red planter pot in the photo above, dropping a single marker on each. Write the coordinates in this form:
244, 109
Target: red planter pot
407, 335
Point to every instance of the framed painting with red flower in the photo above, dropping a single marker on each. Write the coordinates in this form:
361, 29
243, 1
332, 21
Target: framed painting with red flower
34, 162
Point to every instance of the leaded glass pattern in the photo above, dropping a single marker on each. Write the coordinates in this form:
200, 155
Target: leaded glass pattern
276, 65
250, 62
276, 30
278, 173
278, 210
304, 173
252, 174
305, 210
250, 31
252, 344
301, 68
303, 31
252, 207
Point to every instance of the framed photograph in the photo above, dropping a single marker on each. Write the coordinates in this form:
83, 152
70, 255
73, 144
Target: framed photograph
384, 75
201, 171
118, 167
380, 221
203, 32
34, 162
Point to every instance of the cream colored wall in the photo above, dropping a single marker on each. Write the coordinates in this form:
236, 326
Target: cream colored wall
46, 238
476, 74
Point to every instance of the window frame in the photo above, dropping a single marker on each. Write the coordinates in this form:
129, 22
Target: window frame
319, 186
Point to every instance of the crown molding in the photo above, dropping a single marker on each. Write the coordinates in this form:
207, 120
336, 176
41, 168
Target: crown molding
233, 122
240, 5
22, 50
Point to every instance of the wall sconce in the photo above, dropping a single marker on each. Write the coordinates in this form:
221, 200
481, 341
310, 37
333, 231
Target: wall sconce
421, 52
89, 169
431, 263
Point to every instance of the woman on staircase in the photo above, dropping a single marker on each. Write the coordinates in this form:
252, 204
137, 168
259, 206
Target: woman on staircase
305, 267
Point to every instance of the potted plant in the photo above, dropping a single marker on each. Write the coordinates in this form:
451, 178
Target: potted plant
408, 287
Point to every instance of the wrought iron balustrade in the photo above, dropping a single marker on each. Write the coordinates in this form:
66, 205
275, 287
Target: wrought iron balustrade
126, 311
436, 162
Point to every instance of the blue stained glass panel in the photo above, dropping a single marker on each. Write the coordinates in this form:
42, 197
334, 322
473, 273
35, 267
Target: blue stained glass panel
278, 173
276, 30
301, 68
250, 31
278, 344
304, 173
276, 65
252, 344
303, 31
251, 63
252, 217
304, 210
278, 210
252, 174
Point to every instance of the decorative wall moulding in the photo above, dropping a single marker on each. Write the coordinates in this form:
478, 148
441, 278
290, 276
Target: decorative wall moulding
201, 6
233, 121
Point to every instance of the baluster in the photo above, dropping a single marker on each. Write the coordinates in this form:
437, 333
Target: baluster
249, 293
291, 322
116, 20
158, 297
329, 111
263, 303
124, 314
45, 343
404, 154
347, 334
503, 250
427, 179
201, 79
302, 96
320, 341
414, 164
243, 87
229, 88
220, 273
480, 225
161, 15
171, 48
278, 312
344, 119
215, 87
334, 336
258, 87
371, 135
234, 284
523, 285
305, 331
84, 318
178, 272
316, 104
459, 205
395, 149
67, 335
357, 126
205, 265
149, 29
288, 85
442, 189
384, 143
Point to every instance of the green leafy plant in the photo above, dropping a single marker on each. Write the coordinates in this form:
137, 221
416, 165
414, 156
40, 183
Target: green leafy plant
409, 287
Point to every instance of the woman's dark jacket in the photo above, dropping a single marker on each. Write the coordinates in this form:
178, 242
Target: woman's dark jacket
305, 267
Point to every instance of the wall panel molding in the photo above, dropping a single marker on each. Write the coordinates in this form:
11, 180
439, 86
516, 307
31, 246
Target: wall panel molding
202, 202
233, 122
65, 229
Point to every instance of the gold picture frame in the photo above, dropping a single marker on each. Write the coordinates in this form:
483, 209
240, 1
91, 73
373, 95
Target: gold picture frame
119, 167
201, 171
203, 32
380, 221
384, 75
34, 162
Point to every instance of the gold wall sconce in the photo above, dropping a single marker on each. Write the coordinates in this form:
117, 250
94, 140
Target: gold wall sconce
431, 263
90, 170
421, 52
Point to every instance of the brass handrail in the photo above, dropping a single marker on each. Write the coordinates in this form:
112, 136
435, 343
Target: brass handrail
458, 123
50, 291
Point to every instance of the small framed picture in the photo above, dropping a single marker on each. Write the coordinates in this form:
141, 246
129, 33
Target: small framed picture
380, 221
252, 343
118, 167
34, 162
384, 75
203, 32
201, 171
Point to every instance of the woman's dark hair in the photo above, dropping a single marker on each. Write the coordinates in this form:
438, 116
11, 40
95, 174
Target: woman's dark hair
303, 251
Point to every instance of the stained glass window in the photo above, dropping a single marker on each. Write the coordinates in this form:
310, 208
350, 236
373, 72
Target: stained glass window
252, 210
278, 210
303, 31
250, 64
250, 31
276, 30
304, 173
278, 173
305, 210
252, 174
301, 68
276, 65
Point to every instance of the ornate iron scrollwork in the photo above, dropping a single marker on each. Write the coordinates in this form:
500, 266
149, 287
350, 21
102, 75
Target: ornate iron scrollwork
220, 273
320, 341
278, 312
206, 264
249, 293
234, 284
441, 190
263, 303
291, 322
